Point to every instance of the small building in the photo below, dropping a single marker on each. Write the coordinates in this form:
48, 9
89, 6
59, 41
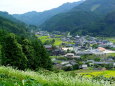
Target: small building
48, 47
65, 62
68, 48
92, 61
58, 52
69, 55
86, 52
68, 65
101, 49
84, 66
114, 65
99, 63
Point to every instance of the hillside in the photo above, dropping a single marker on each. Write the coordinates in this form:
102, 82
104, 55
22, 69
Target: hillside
37, 18
101, 7
9, 17
21, 49
13, 77
104, 27
89, 18
11, 26
68, 21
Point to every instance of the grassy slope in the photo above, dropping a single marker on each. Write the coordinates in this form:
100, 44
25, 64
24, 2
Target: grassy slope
12, 77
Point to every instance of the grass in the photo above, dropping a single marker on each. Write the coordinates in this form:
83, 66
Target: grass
13, 77
58, 35
58, 42
44, 38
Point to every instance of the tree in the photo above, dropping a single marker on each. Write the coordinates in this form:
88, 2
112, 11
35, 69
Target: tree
13, 54
41, 56
22, 52
53, 41
95, 46
28, 50
0, 53
97, 59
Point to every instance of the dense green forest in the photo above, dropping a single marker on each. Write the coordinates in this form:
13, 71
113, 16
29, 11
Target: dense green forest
20, 49
104, 27
101, 7
9, 17
92, 17
11, 26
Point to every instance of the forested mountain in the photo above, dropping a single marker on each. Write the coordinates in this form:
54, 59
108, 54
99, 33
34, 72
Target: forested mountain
9, 17
87, 18
37, 18
97, 6
13, 27
68, 21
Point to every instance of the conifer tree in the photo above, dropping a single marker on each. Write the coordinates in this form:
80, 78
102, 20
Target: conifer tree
0, 53
41, 56
13, 54
29, 52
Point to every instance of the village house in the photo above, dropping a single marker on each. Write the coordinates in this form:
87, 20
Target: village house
69, 55
58, 52
72, 56
83, 66
99, 63
42, 33
48, 47
85, 52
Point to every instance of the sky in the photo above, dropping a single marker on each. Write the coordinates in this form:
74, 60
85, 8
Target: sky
23, 6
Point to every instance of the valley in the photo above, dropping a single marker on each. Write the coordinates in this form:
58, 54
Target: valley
78, 52
69, 45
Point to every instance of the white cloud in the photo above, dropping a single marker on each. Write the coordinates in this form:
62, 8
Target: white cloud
21, 6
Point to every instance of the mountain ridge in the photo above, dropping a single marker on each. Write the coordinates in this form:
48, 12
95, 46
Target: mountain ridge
6, 15
84, 23
38, 18
13, 27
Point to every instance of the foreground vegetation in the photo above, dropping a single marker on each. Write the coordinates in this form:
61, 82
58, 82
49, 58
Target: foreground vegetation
20, 48
13, 77
23, 52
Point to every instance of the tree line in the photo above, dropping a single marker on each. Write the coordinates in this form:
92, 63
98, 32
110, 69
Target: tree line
23, 52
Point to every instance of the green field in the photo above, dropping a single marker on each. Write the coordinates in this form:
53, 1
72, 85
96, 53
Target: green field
111, 54
13, 77
44, 38
111, 39
105, 73
58, 41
